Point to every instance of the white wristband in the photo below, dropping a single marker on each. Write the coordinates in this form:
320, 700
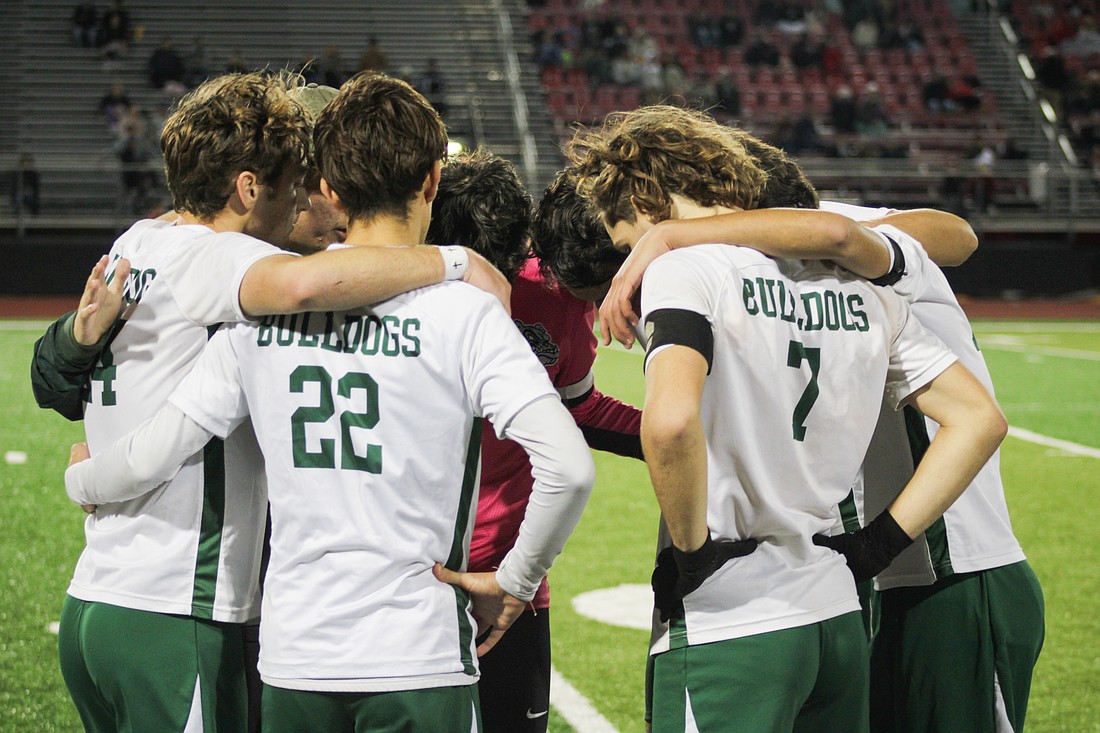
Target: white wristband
455, 262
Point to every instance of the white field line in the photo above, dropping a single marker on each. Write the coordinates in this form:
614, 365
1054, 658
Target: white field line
1064, 445
1008, 344
575, 707
32, 325
1034, 327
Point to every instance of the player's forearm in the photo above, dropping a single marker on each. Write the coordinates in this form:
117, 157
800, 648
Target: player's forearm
564, 473
338, 280
948, 239
60, 367
139, 461
789, 233
609, 425
676, 455
972, 426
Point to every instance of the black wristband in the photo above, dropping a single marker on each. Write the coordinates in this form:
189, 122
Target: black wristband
896, 271
886, 536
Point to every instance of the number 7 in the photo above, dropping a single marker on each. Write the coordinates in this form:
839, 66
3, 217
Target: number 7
795, 355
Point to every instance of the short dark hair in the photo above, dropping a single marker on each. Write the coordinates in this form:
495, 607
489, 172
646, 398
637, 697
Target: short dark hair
227, 125
375, 143
481, 204
572, 245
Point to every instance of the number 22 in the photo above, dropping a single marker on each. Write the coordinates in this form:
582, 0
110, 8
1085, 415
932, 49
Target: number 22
326, 456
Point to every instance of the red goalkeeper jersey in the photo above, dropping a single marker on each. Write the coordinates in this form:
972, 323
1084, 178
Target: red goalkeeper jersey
559, 328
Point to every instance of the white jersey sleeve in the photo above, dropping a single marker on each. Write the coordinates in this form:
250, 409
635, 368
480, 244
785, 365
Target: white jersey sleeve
917, 356
206, 283
500, 374
211, 394
139, 461
564, 472
683, 286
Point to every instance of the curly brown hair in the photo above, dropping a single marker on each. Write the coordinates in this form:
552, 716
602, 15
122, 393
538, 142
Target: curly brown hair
230, 124
375, 144
653, 152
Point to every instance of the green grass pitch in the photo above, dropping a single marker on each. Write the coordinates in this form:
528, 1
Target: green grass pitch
1046, 376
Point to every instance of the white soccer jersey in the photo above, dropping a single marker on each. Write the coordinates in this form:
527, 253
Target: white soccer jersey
369, 421
975, 533
189, 547
802, 355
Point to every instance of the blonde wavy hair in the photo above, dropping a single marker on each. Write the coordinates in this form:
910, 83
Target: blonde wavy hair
654, 152
230, 124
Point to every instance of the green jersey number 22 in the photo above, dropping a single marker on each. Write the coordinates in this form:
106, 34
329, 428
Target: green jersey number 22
796, 354
371, 461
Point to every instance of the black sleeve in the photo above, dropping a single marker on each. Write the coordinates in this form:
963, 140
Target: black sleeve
61, 367
675, 327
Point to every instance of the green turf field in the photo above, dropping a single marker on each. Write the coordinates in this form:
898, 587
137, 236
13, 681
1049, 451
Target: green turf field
1046, 376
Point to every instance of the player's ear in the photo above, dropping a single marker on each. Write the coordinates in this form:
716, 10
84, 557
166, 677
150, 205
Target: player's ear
431, 182
247, 189
637, 210
332, 196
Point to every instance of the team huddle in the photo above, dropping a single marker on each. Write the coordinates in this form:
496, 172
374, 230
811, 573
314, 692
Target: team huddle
339, 406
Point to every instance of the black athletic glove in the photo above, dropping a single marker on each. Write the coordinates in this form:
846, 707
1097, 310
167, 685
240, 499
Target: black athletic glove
679, 573
870, 550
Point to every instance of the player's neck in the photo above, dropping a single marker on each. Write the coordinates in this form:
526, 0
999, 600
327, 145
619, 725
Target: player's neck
384, 231
223, 221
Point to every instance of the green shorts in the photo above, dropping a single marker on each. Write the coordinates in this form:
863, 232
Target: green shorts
969, 642
134, 671
433, 710
807, 679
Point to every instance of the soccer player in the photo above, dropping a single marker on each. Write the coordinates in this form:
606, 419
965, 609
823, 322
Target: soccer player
172, 575
764, 379
481, 204
947, 655
572, 245
370, 423
323, 223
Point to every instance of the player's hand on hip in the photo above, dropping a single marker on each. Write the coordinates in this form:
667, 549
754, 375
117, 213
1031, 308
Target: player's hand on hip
101, 303
79, 452
484, 276
618, 315
493, 608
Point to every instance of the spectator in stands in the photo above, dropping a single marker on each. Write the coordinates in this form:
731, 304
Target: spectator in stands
808, 52
114, 31
642, 47
1085, 94
871, 118
165, 65
330, 67
26, 186
112, 105
842, 110
138, 179
373, 58
704, 32
235, 64
962, 96
434, 87
935, 94
761, 52
1010, 150
728, 95
675, 79
730, 31
85, 17
865, 34
596, 65
196, 67
805, 138
904, 36
1052, 75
